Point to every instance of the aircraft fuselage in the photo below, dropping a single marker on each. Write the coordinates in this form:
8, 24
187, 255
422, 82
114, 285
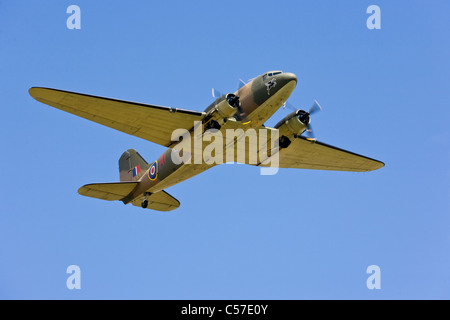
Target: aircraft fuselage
260, 99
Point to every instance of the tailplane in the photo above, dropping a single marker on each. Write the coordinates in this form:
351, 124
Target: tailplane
132, 167
108, 191
161, 201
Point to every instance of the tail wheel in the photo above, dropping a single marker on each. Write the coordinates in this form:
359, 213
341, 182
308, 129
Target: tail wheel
144, 204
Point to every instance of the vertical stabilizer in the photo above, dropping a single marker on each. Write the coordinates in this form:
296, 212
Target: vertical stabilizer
132, 166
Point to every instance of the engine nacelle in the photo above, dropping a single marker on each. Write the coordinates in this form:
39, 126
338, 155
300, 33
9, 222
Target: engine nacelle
228, 106
221, 110
293, 124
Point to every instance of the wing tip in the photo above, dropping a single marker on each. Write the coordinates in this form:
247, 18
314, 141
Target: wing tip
32, 92
375, 165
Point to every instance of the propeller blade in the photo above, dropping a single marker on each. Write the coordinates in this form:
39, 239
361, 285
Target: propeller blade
290, 106
315, 107
309, 133
216, 93
241, 83
304, 117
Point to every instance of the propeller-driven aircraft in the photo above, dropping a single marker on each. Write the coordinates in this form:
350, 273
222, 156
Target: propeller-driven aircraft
246, 110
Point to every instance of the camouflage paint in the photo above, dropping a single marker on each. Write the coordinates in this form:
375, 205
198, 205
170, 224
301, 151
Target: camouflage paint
259, 104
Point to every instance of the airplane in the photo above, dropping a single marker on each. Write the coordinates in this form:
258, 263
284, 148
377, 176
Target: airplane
142, 184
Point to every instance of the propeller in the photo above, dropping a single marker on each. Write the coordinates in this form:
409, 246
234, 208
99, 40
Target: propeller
235, 102
216, 93
241, 83
304, 117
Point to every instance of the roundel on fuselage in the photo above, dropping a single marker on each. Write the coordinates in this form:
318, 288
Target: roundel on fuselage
153, 171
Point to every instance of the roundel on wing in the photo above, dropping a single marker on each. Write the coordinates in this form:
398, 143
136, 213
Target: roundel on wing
153, 172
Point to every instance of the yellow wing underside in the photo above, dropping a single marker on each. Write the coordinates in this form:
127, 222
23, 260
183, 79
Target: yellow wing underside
306, 154
157, 123
149, 122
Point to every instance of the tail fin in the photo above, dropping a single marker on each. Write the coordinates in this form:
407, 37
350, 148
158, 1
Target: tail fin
132, 166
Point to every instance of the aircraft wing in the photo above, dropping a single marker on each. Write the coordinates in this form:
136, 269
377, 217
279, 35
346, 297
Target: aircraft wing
306, 154
149, 122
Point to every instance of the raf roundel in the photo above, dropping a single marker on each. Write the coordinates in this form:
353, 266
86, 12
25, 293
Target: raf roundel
153, 171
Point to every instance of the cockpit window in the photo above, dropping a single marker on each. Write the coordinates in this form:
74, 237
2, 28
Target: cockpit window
271, 74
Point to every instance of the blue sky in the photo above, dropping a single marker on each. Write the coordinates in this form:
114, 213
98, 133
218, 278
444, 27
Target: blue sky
237, 235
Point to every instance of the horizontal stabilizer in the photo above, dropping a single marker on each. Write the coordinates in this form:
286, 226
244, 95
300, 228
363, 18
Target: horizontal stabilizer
108, 191
161, 201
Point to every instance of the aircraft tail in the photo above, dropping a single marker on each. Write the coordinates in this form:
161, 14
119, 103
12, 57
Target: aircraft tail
161, 201
132, 166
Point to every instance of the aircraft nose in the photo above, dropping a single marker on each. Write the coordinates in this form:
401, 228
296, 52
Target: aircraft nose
288, 77
285, 78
